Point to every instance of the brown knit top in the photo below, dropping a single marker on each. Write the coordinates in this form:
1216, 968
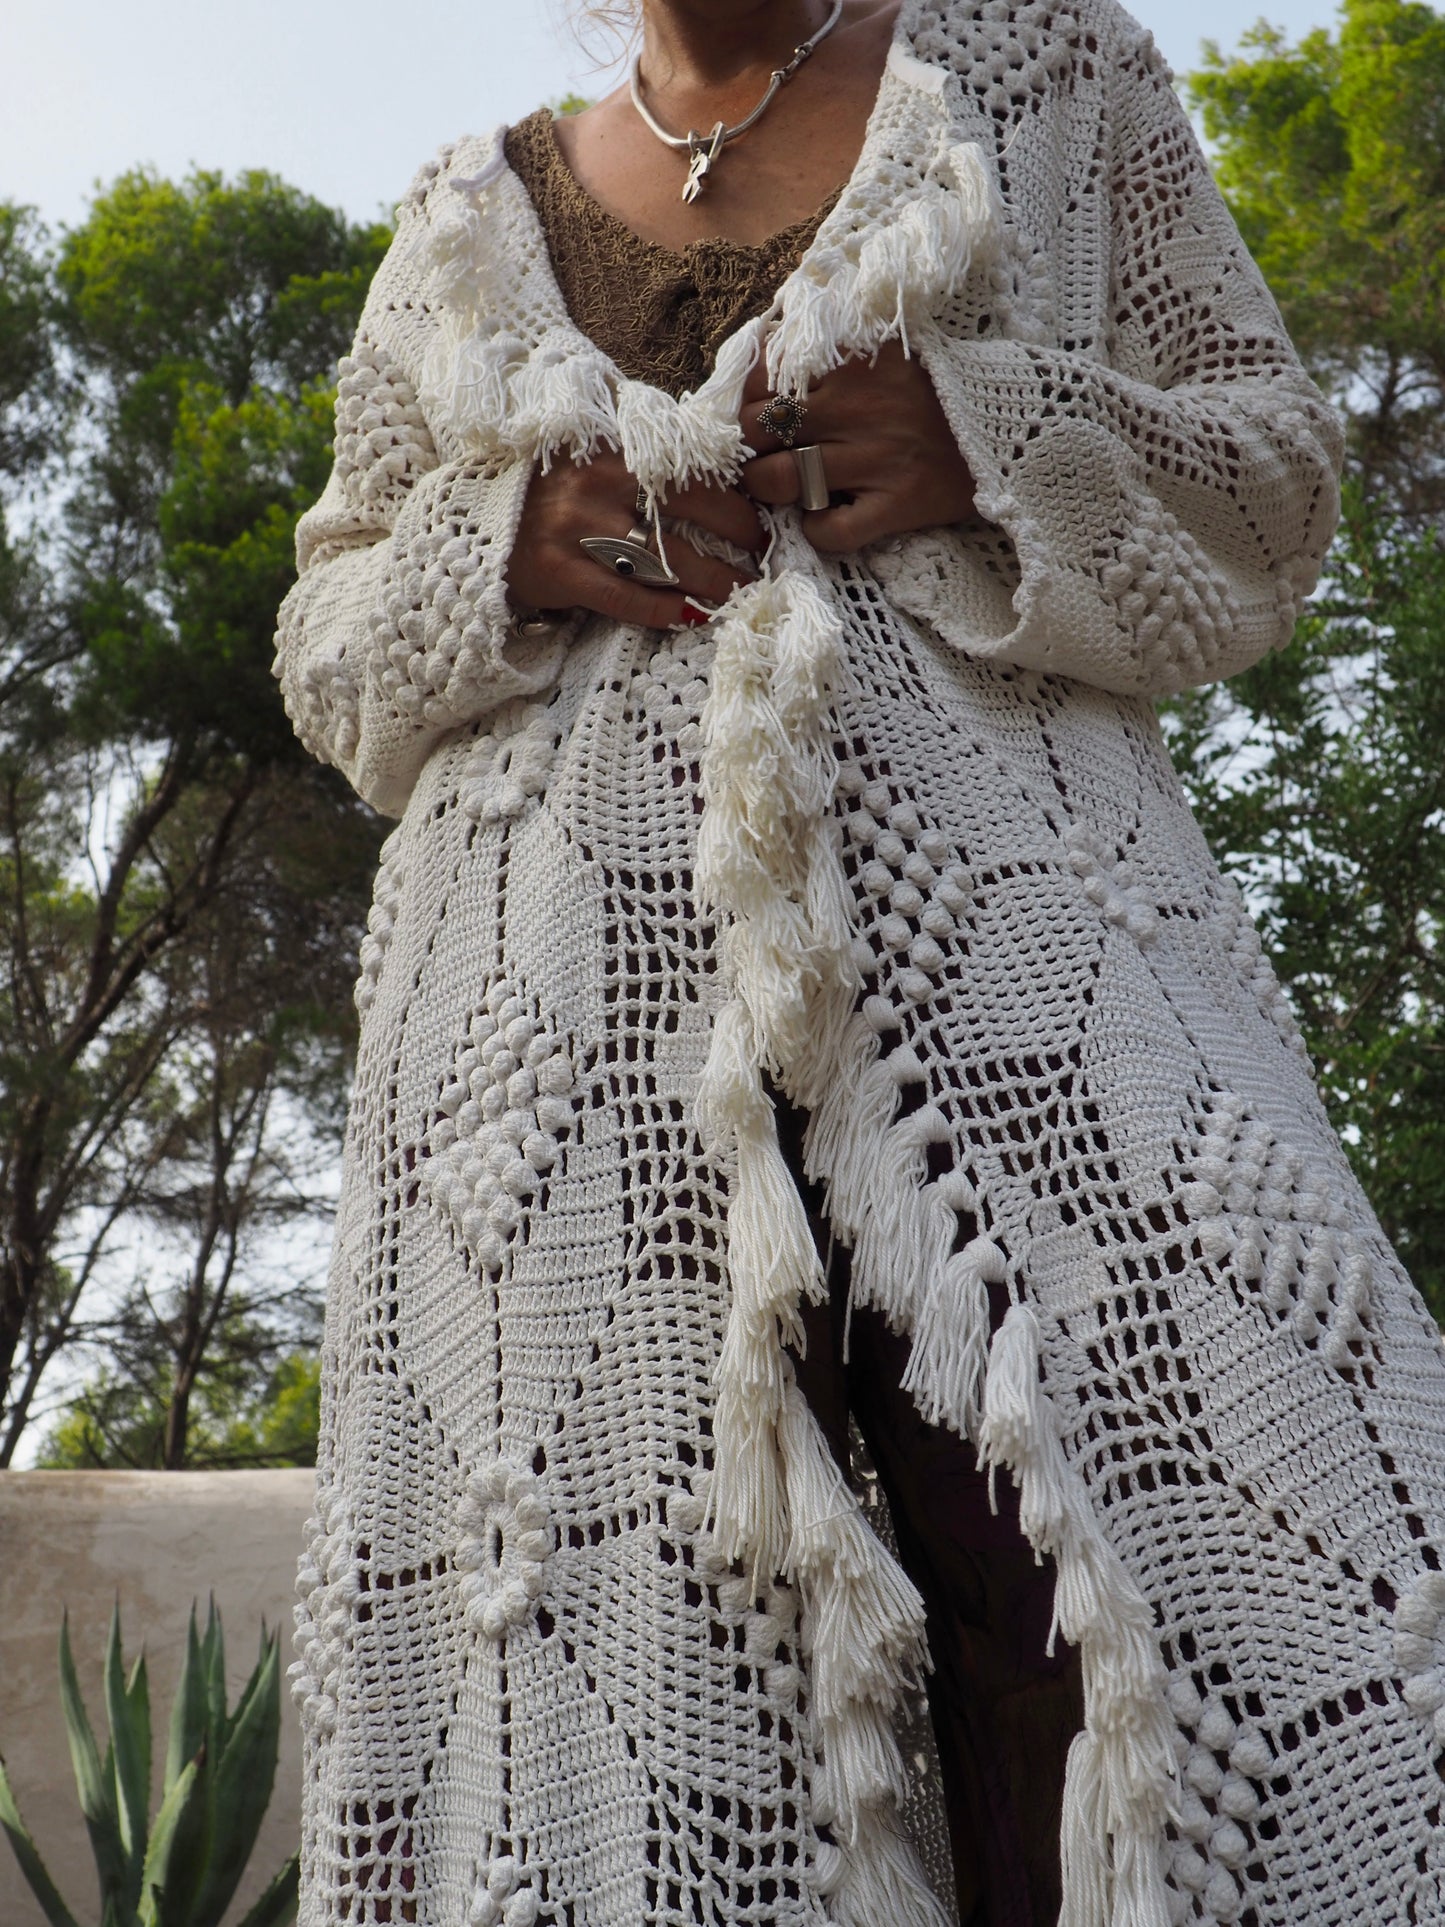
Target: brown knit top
661, 316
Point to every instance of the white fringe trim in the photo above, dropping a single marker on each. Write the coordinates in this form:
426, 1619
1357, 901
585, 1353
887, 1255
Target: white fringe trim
767, 863
866, 281
901, 1225
878, 1880
1121, 1786
765, 856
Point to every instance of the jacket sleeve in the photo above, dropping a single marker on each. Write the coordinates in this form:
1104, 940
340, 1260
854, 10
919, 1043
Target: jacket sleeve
395, 633
1162, 499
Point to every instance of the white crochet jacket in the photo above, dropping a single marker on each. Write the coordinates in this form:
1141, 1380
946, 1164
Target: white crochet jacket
592, 1632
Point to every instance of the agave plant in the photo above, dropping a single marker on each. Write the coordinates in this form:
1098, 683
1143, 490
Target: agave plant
182, 1868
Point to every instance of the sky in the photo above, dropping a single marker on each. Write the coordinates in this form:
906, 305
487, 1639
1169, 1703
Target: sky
342, 101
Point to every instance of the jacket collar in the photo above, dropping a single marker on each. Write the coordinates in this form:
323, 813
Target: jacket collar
509, 374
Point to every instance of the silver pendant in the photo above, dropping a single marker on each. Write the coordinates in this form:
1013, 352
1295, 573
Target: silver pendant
703, 150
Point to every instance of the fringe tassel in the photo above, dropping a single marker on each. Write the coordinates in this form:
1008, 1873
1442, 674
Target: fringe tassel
865, 1615
669, 442
764, 845
466, 379
879, 1883
562, 398
849, 1121
501, 381
767, 862
1120, 1784
946, 1366
902, 1232
772, 1265
880, 280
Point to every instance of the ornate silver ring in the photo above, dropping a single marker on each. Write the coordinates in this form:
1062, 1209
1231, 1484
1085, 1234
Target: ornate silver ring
782, 415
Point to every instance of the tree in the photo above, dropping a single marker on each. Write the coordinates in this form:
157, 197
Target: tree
1332, 157
181, 891
1319, 776
242, 1421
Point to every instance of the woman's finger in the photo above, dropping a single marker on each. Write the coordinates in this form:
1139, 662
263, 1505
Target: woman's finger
811, 419
594, 585
772, 479
721, 511
846, 465
853, 524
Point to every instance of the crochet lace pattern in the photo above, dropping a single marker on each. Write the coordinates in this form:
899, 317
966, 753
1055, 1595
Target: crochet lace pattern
591, 1631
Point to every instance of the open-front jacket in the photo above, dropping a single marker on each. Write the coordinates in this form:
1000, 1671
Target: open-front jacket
592, 1631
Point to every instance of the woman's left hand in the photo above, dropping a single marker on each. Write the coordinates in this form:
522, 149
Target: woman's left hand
888, 452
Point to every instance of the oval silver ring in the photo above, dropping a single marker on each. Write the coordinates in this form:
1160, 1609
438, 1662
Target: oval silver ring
631, 557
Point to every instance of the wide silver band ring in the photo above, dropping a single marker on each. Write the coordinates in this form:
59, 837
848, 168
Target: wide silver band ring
812, 476
630, 556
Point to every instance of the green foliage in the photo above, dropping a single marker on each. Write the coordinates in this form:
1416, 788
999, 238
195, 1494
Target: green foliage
239, 478
1318, 775
1332, 156
26, 360
228, 283
1319, 778
181, 1868
182, 891
240, 1419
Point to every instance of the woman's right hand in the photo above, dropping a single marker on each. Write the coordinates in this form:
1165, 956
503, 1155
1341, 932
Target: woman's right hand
548, 570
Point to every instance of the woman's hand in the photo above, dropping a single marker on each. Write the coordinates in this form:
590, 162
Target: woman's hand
547, 569
888, 452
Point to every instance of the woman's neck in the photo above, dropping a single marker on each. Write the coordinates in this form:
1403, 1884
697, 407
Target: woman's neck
694, 51
708, 60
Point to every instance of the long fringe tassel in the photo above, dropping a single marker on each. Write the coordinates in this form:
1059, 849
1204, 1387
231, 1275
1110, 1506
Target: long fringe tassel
766, 860
772, 1266
864, 1623
765, 855
1120, 1784
879, 1880
881, 280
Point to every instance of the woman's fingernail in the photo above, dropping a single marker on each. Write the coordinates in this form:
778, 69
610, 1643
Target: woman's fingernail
695, 613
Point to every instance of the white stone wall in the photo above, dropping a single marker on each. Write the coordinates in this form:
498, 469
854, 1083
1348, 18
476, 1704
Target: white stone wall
156, 1540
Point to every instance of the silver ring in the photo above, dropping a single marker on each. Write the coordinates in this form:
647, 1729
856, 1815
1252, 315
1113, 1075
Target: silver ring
534, 625
782, 415
812, 476
632, 557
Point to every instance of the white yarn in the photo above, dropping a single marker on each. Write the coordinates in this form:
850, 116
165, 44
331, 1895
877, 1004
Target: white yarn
592, 1627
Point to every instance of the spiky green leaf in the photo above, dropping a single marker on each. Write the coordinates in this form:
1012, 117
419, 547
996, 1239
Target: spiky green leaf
175, 1857
243, 1778
188, 1711
277, 1906
33, 1867
138, 1699
129, 1756
213, 1655
95, 1788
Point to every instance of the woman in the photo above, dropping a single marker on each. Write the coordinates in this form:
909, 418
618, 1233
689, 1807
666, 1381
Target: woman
758, 857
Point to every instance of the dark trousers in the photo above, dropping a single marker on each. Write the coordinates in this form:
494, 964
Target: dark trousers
1003, 1712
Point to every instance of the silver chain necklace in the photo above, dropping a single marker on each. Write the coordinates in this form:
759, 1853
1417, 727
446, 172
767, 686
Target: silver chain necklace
703, 149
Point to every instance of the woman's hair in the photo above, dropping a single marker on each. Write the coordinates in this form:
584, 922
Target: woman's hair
605, 27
